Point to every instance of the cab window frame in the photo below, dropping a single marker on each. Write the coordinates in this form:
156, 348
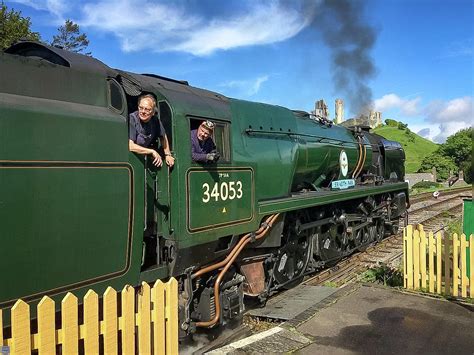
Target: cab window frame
112, 82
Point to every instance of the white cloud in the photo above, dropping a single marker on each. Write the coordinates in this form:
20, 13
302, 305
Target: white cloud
458, 110
393, 101
246, 87
447, 129
168, 26
265, 24
58, 8
451, 116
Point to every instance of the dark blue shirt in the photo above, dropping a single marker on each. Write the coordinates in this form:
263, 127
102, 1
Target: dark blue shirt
200, 149
144, 133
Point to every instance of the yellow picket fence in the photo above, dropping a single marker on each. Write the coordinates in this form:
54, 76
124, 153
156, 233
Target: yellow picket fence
146, 323
438, 263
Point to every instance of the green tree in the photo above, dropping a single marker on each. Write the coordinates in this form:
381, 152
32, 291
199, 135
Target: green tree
391, 123
459, 146
70, 38
442, 163
402, 125
14, 27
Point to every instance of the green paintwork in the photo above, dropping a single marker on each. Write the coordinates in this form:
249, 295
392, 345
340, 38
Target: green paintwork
33, 232
219, 197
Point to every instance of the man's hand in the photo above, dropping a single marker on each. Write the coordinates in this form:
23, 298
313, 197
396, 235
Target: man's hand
213, 156
157, 161
169, 160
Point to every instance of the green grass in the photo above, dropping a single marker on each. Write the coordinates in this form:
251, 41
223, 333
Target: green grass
415, 150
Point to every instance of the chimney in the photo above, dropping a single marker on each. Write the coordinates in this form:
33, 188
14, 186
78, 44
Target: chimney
339, 111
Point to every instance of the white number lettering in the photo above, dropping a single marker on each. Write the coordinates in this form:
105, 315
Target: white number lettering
232, 190
239, 189
206, 196
215, 191
224, 191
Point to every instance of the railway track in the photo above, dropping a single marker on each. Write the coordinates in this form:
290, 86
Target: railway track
429, 195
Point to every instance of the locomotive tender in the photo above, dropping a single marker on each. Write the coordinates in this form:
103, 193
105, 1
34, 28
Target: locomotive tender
290, 194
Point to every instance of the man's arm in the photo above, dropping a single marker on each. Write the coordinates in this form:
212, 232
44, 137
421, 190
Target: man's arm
134, 147
166, 148
202, 157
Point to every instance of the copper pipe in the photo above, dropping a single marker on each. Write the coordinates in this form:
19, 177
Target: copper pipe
226, 260
359, 154
235, 252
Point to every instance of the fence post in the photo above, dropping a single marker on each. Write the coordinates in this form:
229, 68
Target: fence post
158, 317
463, 269
422, 256
144, 323
91, 323
21, 336
128, 320
110, 321
431, 263
455, 265
447, 265
46, 326
408, 241
172, 317
416, 259
439, 262
69, 324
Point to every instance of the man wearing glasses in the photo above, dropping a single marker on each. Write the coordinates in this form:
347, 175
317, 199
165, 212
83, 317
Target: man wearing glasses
145, 128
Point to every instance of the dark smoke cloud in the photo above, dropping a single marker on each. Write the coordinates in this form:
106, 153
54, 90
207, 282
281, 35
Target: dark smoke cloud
350, 39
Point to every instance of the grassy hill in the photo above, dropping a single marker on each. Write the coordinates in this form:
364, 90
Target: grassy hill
416, 147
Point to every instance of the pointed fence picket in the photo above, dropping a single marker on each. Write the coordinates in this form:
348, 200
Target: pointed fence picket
438, 263
147, 323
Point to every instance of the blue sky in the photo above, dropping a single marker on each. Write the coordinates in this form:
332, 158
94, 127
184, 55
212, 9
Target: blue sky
411, 60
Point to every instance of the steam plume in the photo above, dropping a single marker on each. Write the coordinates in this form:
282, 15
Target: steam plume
350, 40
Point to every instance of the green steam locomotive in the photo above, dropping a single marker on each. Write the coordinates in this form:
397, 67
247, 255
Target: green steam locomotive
290, 193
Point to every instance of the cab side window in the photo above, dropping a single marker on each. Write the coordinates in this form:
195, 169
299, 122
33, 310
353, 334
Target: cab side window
116, 96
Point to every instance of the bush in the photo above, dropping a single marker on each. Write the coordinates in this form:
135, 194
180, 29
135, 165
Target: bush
402, 125
384, 274
391, 123
426, 185
442, 164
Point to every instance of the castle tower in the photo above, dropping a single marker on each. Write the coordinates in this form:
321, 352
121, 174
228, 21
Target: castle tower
339, 110
378, 118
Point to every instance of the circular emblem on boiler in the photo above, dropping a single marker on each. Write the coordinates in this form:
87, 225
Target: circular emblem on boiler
343, 163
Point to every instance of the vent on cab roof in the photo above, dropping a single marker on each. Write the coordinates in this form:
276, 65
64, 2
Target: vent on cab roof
37, 50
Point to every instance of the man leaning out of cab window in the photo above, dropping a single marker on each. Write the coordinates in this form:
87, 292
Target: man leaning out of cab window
203, 148
145, 128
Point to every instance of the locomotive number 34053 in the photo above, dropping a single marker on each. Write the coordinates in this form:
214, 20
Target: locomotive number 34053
226, 190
